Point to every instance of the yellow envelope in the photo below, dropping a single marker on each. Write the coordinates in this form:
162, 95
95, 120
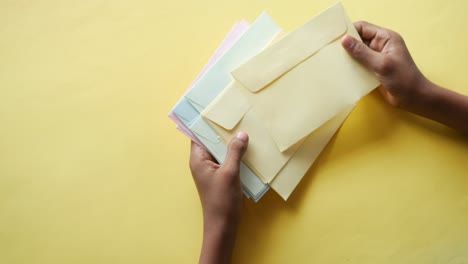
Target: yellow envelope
230, 113
286, 168
291, 98
305, 79
291, 174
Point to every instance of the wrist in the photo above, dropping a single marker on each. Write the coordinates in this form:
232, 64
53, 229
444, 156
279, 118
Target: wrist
216, 225
426, 96
219, 237
422, 91
222, 215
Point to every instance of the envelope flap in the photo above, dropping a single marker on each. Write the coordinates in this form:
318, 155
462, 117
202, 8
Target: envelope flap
228, 108
204, 131
294, 48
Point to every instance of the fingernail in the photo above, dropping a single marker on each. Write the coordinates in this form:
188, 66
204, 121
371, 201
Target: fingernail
242, 136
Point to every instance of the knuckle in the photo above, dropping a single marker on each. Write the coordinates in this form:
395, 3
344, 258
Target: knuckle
384, 35
237, 145
361, 22
358, 25
395, 36
386, 66
357, 48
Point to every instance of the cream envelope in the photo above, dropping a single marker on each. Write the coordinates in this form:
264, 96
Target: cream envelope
228, 116
291, 174
310, 55
291, 167
305, 79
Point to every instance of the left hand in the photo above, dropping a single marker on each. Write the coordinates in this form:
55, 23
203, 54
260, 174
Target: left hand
219, 186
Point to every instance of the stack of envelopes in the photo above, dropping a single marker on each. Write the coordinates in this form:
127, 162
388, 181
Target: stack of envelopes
289, 92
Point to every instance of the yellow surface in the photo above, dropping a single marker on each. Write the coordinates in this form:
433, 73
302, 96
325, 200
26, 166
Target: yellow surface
92, 170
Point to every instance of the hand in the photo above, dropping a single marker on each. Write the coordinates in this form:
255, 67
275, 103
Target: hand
220, 192
385, 53
219, 186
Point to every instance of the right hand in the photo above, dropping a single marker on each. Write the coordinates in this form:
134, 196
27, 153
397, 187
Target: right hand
384, 52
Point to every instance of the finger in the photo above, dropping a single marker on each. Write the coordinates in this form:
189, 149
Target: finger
374, 36
360, 52
367, 30
237, 147
198, 155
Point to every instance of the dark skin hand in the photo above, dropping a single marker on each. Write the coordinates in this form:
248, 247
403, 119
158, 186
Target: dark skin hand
220, 192
403, 85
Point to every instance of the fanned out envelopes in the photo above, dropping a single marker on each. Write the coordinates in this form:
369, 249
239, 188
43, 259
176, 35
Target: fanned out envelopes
289, 92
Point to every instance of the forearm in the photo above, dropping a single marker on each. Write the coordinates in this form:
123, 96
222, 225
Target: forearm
218, 241
441, 105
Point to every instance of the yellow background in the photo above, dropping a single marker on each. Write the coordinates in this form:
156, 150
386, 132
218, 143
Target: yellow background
93, 171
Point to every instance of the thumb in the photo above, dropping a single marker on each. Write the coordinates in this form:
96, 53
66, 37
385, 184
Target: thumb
360, 52
236, 149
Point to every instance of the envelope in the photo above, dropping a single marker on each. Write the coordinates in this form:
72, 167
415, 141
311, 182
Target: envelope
292, 173
208, 86
291, 169
230, 113
300, 66
205, 90
185, 130
305, 79
252, 186
255, 188
231, 37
